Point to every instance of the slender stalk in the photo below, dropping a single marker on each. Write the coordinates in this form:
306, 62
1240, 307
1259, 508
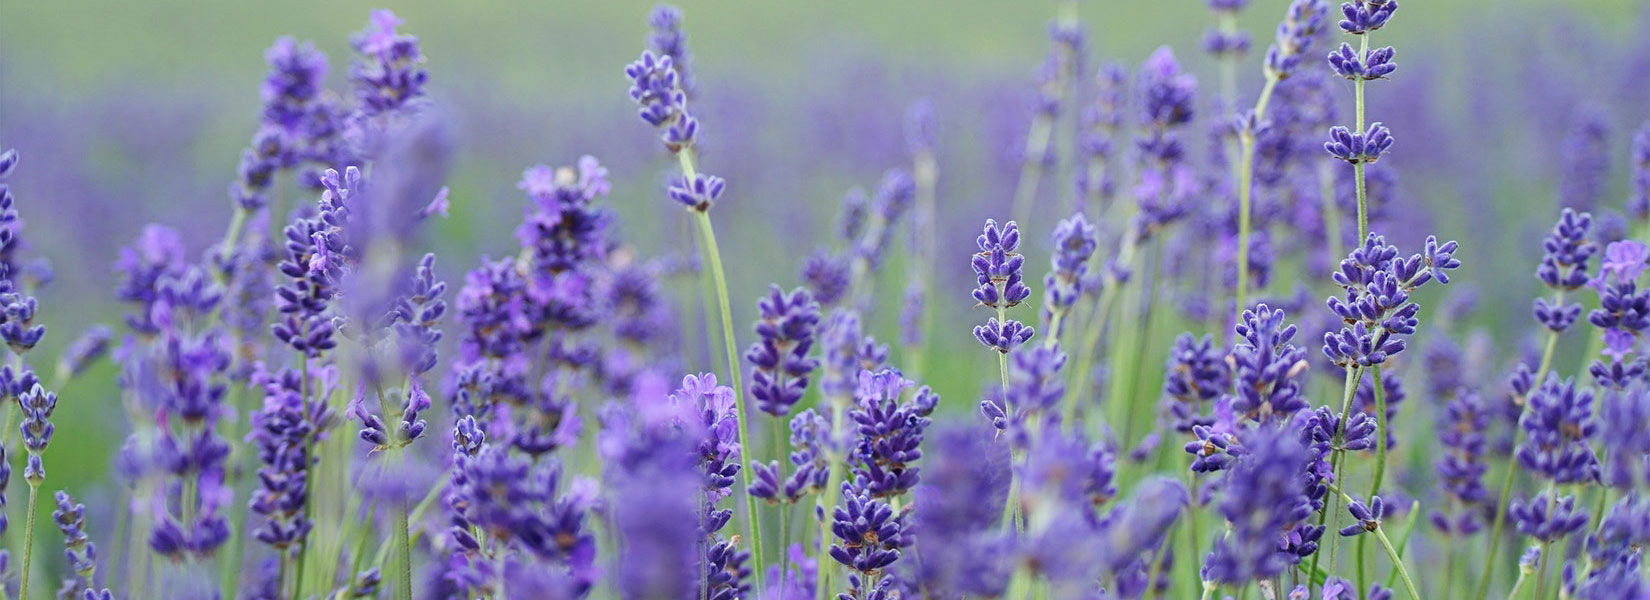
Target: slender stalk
1246, 176
1500, 520
1517, 585
403, 555
833, 481
1546, 548
501, 560
925, 171
28, 541
1397, 563
713, 257
1353, 376
1403, 543
360, 552
1380, 432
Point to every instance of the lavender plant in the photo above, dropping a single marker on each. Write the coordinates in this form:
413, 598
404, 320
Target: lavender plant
311, 412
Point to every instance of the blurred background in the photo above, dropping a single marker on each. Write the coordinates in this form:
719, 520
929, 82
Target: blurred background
134, 112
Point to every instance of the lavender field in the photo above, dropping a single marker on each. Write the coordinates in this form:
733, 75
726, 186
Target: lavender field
1251, 299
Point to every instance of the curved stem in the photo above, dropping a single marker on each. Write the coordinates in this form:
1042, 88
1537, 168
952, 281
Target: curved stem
1246, 176
713, 257
28, 541
1397, 563
1380, 432
403, 556
1333, 505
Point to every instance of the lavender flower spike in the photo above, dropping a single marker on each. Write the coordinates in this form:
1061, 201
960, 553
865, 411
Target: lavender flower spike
1359, 148
998, 271
781, 356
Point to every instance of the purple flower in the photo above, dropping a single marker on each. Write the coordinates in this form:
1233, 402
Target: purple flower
698, 194
1359, 148
1267, 367
1368, 516
1461, 468
1625, 259
1567, 249
1074, 241
1194, 374
1638, 204
389, 72
1624, 419
668, 39
781, 357
890, 433
1584, 159
70, 518
1168, 91
654, 86
828, 277
997, 268
1546, 518
1558, 424
1377, 305
869, 536
1266, 503
1364, 16
1299, 28
1374, 64
847, 352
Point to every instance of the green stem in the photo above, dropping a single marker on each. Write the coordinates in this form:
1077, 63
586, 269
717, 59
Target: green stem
713, 256
1398, 563
1517, 585
1353, 376
501, 560
1246, 176
28, 541
1380, 432
403, 555
1403, 543
360, 552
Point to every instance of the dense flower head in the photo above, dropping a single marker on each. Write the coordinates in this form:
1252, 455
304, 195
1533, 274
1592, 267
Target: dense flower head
1374, 64
1376, 310
656, 89
1462, 466
1074, 243
389, 72
1195, 373
1356, 434
1566, 252
1168, 91
892, 201
668, 39
37, 405
1547, 518
889, 431
1558, 425
1355, 147
1585, 159
1267, 507
1638, 204
1295, 35
869, 536
281, 431
786, 332
847, 351
92, 345
827, 276
1364, 16
1267, 367
70, 518
998, 268
957, 507
563, 227
1624, 417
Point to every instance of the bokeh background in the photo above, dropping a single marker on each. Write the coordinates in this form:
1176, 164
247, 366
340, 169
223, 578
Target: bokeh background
134, 112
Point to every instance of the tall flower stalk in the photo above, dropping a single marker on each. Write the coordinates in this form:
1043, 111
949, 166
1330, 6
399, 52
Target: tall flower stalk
1362, 146
656, 89
1295, 34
